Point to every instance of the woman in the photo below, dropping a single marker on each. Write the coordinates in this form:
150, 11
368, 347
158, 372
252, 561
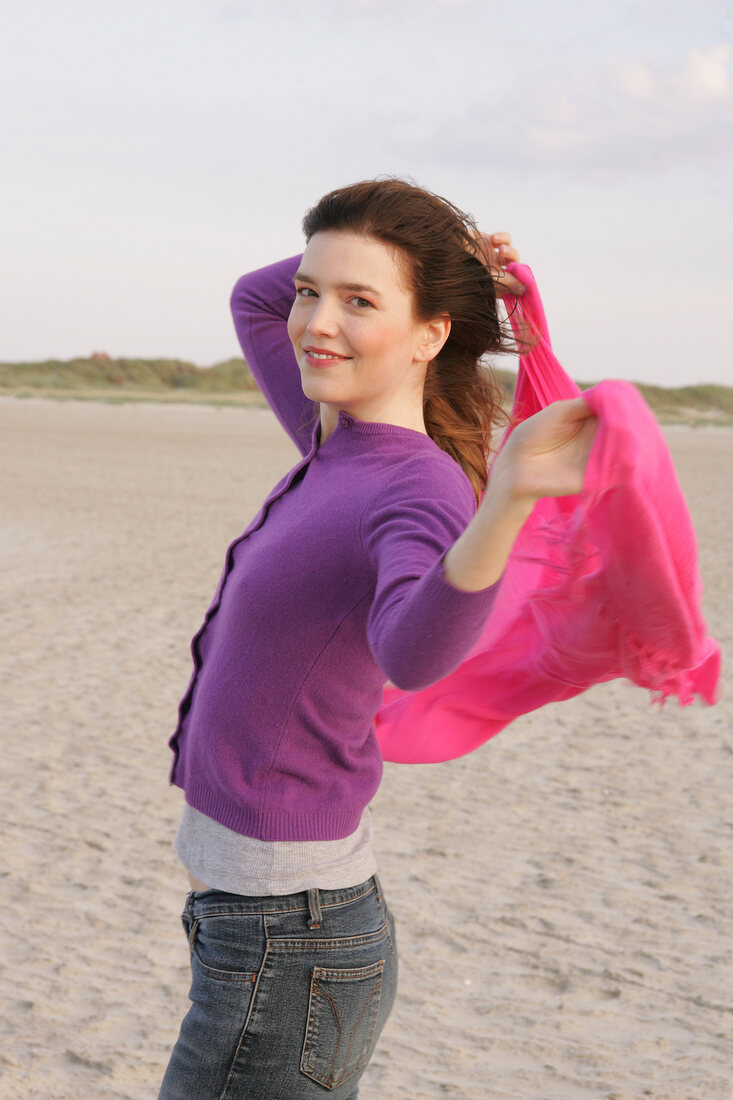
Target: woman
372, 560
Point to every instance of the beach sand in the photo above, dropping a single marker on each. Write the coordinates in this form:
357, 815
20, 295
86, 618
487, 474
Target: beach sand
562, 896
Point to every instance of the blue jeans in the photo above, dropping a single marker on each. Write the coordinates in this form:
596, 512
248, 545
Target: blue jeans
289, 994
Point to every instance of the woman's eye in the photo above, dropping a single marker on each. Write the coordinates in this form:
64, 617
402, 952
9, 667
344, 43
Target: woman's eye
305, 292
360, 303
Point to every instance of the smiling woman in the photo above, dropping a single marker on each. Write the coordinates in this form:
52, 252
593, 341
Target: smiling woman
368, 562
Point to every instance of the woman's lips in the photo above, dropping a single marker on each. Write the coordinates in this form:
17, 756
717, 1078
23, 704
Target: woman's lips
321, 357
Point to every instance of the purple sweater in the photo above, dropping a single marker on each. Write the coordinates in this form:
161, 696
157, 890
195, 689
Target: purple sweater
336, 586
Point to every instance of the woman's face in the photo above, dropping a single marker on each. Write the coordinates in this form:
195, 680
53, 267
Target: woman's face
358, 344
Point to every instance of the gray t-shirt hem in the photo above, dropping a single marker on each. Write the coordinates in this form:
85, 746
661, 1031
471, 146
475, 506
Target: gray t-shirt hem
237, 864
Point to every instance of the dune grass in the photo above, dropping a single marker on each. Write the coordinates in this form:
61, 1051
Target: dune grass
100, 378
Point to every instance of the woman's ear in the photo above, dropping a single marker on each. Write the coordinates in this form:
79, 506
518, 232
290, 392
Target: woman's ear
435, 334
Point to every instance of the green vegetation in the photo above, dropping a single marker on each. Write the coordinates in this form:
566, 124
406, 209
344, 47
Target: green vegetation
101, 378
704, 402
100, 372
701, 404
231, 383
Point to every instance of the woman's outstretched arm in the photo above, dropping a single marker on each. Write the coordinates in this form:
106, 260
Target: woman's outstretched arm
545, 456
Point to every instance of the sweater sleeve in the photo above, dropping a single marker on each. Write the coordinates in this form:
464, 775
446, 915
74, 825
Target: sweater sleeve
420, 626
261, 303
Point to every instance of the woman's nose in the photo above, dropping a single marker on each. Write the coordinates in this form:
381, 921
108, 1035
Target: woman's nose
323, 319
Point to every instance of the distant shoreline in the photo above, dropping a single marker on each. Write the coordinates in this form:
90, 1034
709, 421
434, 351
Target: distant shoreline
231, 384
247, 399
682, 417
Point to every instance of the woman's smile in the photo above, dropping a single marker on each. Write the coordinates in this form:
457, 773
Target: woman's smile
320, 357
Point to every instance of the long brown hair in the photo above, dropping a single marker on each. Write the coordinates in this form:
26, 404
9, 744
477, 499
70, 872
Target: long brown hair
437, 242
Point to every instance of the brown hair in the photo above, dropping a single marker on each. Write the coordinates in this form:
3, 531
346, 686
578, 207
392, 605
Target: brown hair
461, 401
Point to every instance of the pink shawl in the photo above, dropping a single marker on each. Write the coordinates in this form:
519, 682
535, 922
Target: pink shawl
600, 585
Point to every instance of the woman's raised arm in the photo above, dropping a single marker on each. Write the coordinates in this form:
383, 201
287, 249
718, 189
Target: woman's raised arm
261, 303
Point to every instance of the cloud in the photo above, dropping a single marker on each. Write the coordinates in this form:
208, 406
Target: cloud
620, 119
636, 80
703, 78
706, 75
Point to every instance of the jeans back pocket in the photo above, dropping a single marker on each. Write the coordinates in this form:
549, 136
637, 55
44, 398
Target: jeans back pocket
342, 1018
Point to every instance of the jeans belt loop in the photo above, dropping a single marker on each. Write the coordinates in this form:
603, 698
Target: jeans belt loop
314, 908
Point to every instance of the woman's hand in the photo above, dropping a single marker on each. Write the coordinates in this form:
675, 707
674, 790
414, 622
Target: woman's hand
547, 454
544, 456
496, 251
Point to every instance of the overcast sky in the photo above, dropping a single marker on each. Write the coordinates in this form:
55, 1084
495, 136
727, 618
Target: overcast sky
155, 149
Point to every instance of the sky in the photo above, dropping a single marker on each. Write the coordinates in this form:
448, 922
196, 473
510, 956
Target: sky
153, 150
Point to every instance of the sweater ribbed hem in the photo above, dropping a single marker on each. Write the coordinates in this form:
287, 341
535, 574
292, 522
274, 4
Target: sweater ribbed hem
272, 824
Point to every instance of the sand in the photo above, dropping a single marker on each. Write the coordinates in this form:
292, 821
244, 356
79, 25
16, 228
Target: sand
563, 896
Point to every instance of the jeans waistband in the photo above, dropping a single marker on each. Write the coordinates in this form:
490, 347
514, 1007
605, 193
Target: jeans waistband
217, 902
